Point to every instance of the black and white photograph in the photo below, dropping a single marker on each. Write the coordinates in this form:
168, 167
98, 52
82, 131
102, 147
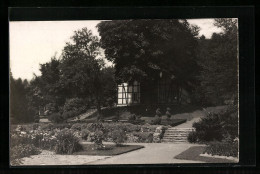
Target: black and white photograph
128, 91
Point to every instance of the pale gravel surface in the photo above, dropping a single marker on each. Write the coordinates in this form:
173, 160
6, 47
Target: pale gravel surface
50, 158
153, 153
222, 157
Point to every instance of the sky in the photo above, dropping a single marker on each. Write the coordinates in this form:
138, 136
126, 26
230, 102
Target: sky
34, 42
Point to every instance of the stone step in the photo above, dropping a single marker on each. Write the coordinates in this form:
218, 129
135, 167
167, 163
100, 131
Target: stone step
174, 140
168, 133
181, 129
169, 136
185, 128
182, 139
175, 136
177, 132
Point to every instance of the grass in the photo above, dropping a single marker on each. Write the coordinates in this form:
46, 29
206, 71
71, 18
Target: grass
110, 150
193, 153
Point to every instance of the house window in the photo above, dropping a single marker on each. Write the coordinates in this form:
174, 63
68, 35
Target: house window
128, 93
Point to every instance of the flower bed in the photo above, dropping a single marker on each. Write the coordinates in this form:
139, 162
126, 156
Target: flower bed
65, 138
109, 150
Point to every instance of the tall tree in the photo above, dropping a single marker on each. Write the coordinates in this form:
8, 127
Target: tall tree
81, 69
138, 48
20, 110
218, 58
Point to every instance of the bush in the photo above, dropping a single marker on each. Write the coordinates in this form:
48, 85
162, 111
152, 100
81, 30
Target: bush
76, 126
84, 134
74, 107
135, 119
192, 137
216, 126
156, 121
97, 137
118, 136
48, 126
56, 118
62, 126
18, 140
144, 137
99, 133
70, 114
51, 108
132, 117
21, 151
67, 143
224, 148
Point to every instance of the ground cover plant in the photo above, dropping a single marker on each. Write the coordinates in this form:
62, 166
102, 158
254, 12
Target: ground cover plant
108, 150
193, 153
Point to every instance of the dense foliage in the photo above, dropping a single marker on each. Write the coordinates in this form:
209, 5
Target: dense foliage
217, 126
67, 142
118, 136
20, 109
222, 148
69, 85
218, 60
139, 48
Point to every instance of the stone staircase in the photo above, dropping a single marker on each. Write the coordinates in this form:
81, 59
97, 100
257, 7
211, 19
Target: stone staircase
176, 135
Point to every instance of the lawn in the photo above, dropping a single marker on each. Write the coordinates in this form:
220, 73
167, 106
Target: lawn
110, 150
193, 153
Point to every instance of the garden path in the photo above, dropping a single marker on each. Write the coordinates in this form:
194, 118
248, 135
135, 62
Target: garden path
50, 158
153, 153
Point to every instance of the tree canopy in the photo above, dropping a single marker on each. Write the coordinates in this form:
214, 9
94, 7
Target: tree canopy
79, 73
141, 48
20, 110
218, 59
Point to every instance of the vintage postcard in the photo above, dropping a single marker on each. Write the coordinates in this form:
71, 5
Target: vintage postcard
133, 91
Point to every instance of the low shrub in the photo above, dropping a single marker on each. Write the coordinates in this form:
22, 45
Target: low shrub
48, 126
56, 117
144, 137
132, 117
97, 137
76, 126
21, 151
156, 121
148, 128
222, 148
216, 126
70, 114
85, 133
35, 126
118, 136
62, 126
98, 134
74, 107
192, 137
16, 139
67, 142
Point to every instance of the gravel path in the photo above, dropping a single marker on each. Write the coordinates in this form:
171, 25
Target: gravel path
49, 158
153, 153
